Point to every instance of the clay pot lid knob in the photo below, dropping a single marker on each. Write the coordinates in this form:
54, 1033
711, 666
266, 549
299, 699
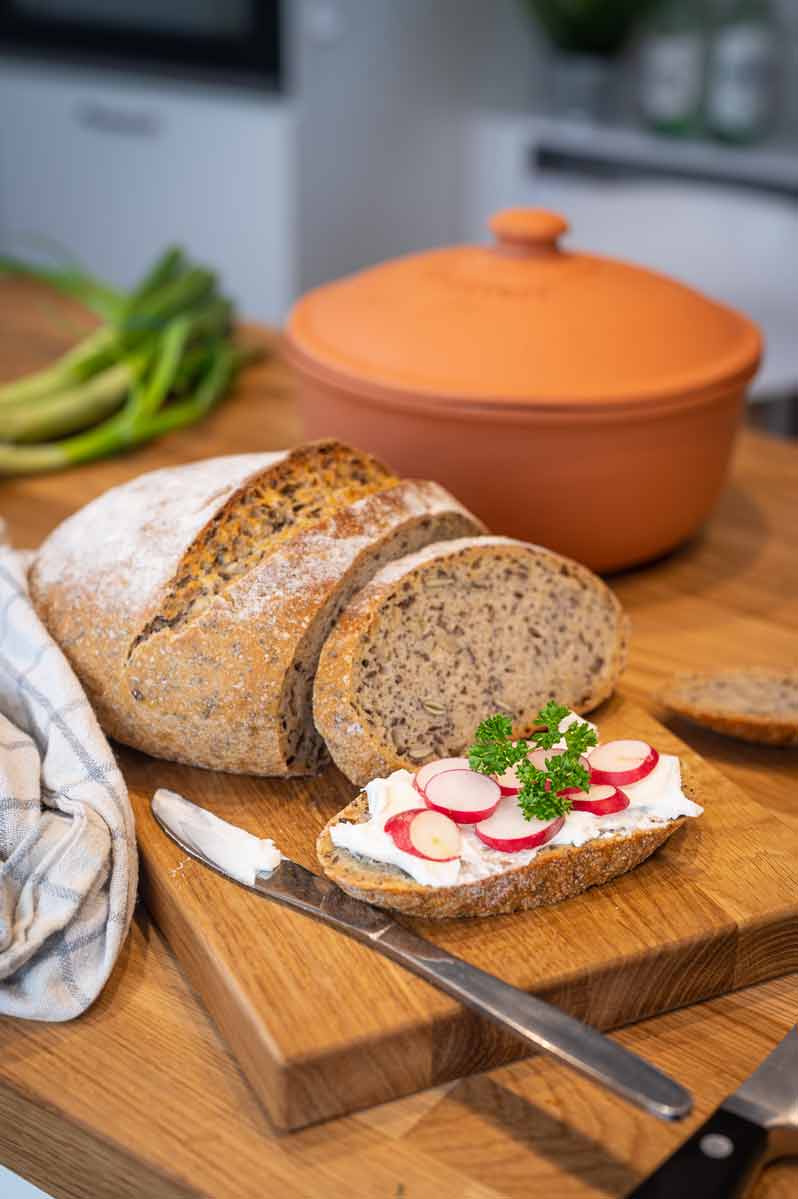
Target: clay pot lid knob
528, 232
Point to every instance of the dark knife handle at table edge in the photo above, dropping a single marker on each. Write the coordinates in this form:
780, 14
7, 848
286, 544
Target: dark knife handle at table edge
694, 1171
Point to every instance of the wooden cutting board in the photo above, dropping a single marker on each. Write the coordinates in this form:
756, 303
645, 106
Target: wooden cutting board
322, 1026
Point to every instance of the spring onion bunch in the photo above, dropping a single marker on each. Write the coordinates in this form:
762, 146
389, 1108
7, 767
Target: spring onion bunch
163, 357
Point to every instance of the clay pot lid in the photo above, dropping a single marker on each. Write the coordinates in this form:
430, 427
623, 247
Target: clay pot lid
521, 321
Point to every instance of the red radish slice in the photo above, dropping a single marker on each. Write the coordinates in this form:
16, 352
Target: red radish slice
425, 834
508, 782
509, 830
463, 795
622, 762
423, 776
601, 800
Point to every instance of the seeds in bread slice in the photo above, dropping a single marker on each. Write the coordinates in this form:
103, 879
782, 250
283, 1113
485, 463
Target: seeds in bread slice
554, 874
440, 639
756, 704
191, 601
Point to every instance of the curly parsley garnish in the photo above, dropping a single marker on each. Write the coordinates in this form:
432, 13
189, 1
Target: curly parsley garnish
494, 751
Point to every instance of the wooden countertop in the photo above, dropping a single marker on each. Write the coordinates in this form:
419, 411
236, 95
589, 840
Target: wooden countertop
140, 1097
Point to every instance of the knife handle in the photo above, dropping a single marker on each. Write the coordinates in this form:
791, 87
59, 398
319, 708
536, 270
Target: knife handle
720, 1161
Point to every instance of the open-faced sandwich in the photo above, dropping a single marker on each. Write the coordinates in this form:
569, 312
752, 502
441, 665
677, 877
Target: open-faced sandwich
516, 824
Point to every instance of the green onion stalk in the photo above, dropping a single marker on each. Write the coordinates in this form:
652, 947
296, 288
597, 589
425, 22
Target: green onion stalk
162, 360
133, 425
76, 366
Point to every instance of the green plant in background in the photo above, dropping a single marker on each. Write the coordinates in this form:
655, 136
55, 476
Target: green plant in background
588, 26
161, 360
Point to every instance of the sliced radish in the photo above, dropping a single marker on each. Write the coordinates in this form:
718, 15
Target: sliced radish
508, 782
601, 799
424, 833
423, 776
622, 762
463, 795
509, 830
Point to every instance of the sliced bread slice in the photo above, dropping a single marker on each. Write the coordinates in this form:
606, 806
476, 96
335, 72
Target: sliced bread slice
556, 873
446, 636
192, 602
756, 704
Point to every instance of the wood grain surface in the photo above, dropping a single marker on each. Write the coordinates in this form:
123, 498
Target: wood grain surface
323, 1026
140, 1097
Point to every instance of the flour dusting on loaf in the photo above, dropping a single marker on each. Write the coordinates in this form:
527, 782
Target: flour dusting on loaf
193, 602
329, 549
137, 532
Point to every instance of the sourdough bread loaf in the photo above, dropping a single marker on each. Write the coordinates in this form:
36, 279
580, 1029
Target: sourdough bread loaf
442, 638
193, 601
556, 873
757, 704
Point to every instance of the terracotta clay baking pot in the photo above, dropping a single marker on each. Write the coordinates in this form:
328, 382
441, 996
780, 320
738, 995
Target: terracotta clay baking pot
572, 400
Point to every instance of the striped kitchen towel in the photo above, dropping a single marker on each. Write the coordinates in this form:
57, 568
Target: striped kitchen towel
68, 864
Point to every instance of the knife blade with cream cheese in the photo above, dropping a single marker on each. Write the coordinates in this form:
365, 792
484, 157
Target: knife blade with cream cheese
232, 850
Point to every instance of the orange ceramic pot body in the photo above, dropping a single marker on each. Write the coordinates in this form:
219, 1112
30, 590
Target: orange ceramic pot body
447, 365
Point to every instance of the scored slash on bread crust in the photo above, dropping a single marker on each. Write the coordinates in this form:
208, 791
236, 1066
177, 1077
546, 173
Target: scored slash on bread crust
555, 873
440, 639
193, 601
757, 704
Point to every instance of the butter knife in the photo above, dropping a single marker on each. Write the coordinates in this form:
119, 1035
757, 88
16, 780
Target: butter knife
538, 1024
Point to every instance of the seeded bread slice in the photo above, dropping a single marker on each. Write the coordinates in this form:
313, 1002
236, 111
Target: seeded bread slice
556, 873
192, 602
754, 704
440, 639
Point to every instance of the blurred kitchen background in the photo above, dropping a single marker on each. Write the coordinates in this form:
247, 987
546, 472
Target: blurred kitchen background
291, 142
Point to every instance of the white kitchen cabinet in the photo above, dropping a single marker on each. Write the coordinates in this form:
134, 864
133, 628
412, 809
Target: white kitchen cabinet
358, 158
108, 170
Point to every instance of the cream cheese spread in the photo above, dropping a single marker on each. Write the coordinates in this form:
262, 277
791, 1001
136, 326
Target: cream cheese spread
653, 801
386, 797
232, 850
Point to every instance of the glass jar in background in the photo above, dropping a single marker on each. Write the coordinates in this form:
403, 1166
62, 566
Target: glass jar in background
742, 67
672, 67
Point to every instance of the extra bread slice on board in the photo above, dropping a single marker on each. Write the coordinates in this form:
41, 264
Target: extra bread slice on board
754, 704
440, 639
556, 873
193, 602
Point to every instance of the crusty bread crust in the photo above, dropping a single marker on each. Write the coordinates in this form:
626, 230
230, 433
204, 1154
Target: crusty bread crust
555, 874
215, 690
695, 697
222, 678
360, 749
101, 576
